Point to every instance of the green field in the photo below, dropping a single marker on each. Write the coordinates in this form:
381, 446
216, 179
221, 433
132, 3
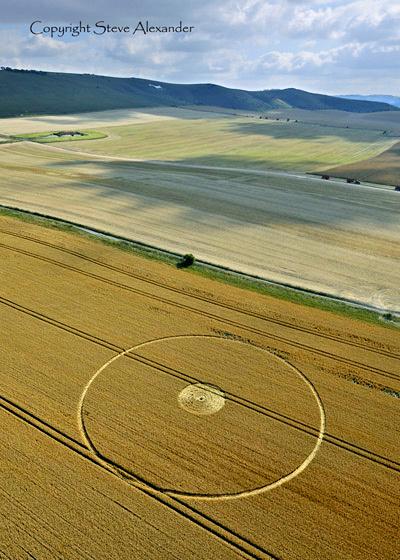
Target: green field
240, 142
49, 137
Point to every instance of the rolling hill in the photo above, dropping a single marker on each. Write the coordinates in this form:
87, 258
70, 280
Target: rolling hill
24, 92
390, 99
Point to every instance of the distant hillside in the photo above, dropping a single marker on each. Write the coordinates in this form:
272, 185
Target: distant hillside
25, 92
390, 99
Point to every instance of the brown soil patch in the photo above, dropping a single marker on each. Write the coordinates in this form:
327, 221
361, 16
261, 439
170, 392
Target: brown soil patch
384, 168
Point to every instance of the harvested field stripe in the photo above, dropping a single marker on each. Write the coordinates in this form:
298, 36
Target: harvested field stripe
153, 151
230, 538
202, 298
254, 330
338, 442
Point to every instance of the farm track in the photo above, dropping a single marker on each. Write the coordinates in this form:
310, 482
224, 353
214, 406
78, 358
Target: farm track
337, 442
241, 545
229, 322
301, 426
166, 163
202, 298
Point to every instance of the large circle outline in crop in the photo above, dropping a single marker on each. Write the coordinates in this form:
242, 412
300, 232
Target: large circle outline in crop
205, 497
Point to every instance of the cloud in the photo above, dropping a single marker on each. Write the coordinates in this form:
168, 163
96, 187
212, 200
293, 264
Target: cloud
335, 46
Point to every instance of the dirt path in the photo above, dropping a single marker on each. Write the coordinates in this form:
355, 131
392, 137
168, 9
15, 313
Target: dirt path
297, 175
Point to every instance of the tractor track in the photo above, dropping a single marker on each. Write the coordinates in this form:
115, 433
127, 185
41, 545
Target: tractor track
270, 413
290, 422
209, 315
230, 538
252, 314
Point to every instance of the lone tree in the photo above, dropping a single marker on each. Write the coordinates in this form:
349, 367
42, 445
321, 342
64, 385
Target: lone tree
186, 261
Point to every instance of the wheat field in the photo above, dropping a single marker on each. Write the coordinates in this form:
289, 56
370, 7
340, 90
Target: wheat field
99, 458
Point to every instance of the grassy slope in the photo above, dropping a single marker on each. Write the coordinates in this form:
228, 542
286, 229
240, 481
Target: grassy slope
300, 99
64, 93
240, 142
56, 93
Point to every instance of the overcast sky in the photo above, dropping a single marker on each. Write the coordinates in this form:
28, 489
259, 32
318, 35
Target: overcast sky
328, 46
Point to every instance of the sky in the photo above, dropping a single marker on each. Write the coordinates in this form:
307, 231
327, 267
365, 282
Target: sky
328, 46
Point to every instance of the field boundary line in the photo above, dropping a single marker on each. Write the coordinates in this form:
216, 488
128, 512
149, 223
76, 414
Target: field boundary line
209, 265
231, 539
263, 172
230, 322
338, 442
287, 420
202, 298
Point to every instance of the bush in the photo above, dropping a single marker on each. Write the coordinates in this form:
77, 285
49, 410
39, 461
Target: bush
186, 261
388, 316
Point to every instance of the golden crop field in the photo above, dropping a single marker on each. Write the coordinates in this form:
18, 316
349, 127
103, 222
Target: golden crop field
151, 413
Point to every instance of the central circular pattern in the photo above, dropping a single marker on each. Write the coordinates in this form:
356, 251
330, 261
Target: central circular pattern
158, 413
201, 399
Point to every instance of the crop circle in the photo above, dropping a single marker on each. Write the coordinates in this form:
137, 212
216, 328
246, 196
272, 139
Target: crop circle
201, 399
202, 417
